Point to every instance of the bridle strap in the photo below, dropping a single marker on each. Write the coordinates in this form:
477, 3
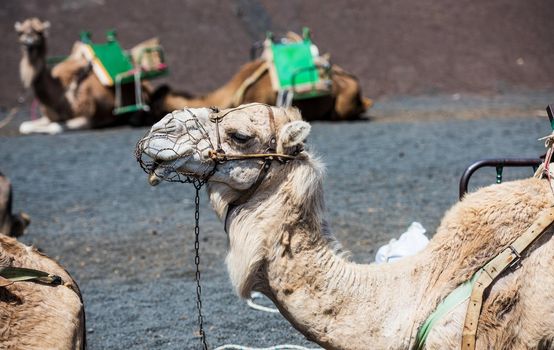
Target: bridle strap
223, 157
245, 196
510, 257
219, 156
268, 158
272, 128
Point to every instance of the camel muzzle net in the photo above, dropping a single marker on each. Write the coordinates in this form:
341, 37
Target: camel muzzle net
162, 150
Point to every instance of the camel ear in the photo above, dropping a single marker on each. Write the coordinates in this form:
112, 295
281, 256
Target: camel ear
18, 27
293, 134
45, 27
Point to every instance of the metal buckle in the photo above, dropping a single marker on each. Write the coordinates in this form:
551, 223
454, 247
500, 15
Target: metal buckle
516, 263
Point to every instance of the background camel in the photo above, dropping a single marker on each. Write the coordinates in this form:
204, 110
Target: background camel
10, 224
34, 315
71, 97
252, 83
280, 244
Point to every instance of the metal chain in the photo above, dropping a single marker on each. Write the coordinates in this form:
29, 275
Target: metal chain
197, 186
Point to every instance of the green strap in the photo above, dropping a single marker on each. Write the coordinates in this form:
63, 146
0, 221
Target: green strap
455, 298
18, 274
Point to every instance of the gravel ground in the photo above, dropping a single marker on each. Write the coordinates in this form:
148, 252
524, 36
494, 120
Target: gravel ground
131, 247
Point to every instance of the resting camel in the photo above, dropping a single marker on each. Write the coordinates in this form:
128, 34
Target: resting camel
70, 96
281, 245
252, 83
10, 224
36, 315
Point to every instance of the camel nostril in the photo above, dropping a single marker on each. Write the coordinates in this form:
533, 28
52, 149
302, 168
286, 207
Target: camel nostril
208, 154
154, 179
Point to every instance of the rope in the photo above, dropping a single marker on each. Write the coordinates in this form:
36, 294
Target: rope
253, 305
256, 295
9, 117
544, 168
34, 109
239, 94
276, 347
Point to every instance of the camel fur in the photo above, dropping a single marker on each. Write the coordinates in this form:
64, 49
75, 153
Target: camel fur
281, 245
70, 96
12, 225
35, 316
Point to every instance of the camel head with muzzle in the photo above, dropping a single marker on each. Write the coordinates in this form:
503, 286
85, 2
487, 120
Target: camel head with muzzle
235, 151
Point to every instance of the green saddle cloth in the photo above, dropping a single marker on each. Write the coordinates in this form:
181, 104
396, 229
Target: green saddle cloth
294, 64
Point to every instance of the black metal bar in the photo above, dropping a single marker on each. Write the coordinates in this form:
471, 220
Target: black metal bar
550, 116
495, 162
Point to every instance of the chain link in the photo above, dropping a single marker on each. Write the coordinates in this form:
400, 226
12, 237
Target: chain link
197, 186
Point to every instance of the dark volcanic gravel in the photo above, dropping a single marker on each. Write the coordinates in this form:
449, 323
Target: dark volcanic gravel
130, 246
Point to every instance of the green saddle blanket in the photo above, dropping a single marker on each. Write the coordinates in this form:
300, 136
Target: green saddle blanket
112, 64
294, 64
294, 67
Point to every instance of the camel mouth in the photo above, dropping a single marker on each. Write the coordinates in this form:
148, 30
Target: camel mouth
29, 42
167, 164
177, 149
153, 178
158, 168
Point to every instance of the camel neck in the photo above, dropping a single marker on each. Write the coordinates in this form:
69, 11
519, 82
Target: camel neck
33, 64
326, 297
48, 89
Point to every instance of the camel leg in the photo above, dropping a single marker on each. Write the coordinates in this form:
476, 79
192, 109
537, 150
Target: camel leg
10, 224
42, 125
79, 123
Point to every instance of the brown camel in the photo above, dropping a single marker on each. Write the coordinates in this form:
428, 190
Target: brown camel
12, 225
281, 245
71, 97
35, 315
252, 83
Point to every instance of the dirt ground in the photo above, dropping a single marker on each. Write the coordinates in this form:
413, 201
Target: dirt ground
395, 47
130, 246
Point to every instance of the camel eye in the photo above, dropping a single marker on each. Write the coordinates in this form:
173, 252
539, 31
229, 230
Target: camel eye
239, 137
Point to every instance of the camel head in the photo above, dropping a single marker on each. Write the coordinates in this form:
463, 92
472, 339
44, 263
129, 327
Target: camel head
224, 148
32, 32
245, 155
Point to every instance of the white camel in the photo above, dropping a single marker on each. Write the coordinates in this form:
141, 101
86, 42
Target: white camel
280, 244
